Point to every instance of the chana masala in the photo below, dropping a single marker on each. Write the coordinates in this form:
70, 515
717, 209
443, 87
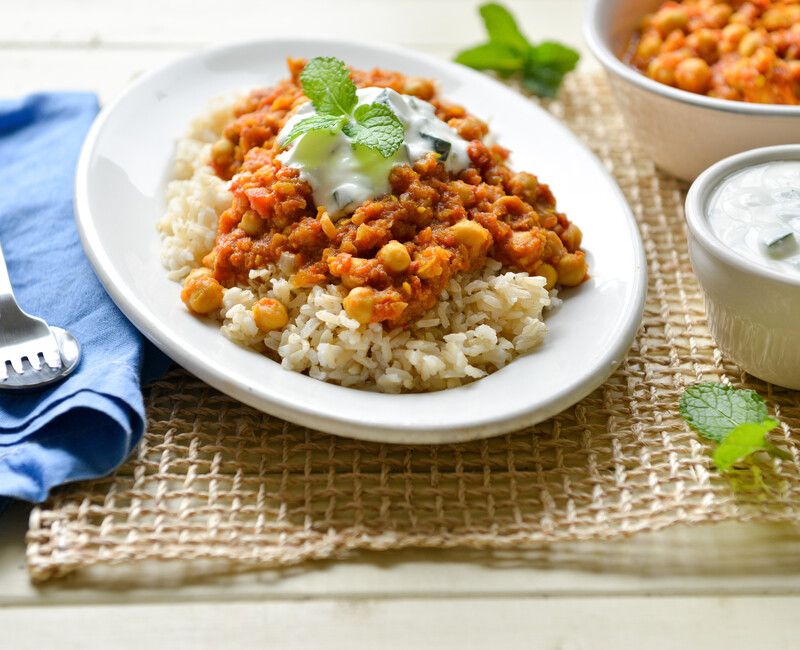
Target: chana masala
744, 50
395, 254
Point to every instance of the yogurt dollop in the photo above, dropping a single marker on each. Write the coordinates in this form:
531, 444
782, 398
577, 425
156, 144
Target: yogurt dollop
756, 212
342, 176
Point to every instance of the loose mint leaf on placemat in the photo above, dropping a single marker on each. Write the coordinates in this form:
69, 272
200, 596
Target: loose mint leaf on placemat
330, 123
326, 82
546, 66
508, 51
376, 127
715, 410
492, 56
742, 441
502, 28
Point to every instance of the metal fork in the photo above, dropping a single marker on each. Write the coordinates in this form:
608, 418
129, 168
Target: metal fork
32, 354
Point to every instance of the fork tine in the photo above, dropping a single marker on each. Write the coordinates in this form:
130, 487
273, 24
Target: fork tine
16, 364
33, 359
52, 358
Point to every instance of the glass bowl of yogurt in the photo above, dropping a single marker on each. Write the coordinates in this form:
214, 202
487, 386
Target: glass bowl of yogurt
743, 215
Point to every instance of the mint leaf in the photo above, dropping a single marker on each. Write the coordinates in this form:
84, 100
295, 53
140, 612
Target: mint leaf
376, 127
542, 66
326, 82
715, 410
546, 66
502, 28
491, 56
742, 441
329, 123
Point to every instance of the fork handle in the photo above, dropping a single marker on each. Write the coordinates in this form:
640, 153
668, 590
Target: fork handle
9, 308
6, 291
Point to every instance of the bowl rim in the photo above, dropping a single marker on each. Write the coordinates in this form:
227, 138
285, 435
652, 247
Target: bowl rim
596, 40
709, 180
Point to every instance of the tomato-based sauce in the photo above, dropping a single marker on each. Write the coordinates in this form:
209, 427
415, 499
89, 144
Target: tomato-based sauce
393, 254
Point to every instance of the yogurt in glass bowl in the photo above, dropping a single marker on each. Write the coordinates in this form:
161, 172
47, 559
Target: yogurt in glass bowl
743, 215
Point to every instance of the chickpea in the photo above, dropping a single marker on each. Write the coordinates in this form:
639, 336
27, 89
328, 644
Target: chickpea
571, 269
469, 128
394, 256
649, 45
368, 237
554, 248
674, 42
419, 87
270, 315
465, 191
572, 237
693, 75
251, 223
717, 15
359, 304
669, 19
472, 234
661, 71
781, 17
763, 60
705, 44
222, 148
202, 294
549, 273
732, 35
745, 14
751, 42
525, 186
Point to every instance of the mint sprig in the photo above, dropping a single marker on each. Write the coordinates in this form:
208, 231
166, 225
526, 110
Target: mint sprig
327, 83
329, 123
735, 418
375, 126
542, 67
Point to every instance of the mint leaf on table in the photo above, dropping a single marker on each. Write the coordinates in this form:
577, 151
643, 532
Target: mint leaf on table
547, 65
735, 418
501, 27
329, 123
492, 56
326, 82
376, 127
542, 67
716, 409
744, 440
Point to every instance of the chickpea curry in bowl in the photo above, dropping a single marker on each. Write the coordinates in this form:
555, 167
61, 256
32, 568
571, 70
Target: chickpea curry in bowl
741, 50
356, 226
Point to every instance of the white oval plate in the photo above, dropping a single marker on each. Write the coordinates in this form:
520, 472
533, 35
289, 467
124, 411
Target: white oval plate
125, 164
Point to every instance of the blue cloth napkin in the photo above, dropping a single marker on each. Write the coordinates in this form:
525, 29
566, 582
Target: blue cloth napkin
87, 425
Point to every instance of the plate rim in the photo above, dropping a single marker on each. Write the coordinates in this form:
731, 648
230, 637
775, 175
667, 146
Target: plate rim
401, 433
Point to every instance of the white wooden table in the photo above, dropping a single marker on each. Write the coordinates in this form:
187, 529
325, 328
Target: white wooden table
722, 586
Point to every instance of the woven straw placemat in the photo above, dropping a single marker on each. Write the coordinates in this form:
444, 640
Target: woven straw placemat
216, 480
